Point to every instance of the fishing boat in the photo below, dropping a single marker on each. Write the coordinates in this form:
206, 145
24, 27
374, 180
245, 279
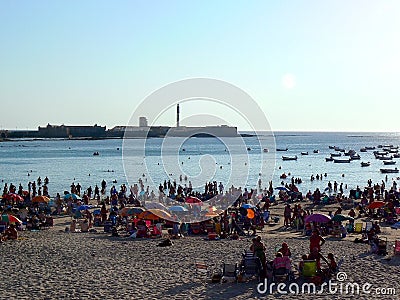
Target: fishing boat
389, 162
328, 158
289, 157
365, 164
355, 156
336, 154
304, 153
385, 157
341, 160
395, 170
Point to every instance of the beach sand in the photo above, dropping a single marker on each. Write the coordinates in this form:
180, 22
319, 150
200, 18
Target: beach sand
53, 264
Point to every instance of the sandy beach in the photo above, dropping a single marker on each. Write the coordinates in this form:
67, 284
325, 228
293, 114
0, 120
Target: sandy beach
53, 264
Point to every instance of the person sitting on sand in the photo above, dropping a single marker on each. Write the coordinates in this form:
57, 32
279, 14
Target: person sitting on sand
301, 263
285, 250
85, 226
10, 233
258, 249
376, 227
72, 226
281, 262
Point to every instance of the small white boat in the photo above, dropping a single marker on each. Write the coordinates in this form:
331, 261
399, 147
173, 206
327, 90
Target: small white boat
289, 157
365, 164
355, 156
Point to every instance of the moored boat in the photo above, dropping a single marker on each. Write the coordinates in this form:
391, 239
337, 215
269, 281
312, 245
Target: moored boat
395, 170
304, 153
365, 164
389, 162
316, 151
336, 154
341, 160
363, 150
328, 159
281, 149
289, 157
355, 156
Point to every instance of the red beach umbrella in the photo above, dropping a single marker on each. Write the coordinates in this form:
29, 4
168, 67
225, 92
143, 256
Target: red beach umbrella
14, 197
376, 204
13, 219
193, 200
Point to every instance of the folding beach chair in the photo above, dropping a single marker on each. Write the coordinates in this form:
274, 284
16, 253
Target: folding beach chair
309, 269
250, 265
230, 272
396, 247
358, 227
368, 226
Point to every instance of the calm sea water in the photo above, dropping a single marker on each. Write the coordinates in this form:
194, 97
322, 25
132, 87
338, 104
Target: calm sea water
67, 161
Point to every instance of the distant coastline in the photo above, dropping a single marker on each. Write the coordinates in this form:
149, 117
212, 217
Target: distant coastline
100, 132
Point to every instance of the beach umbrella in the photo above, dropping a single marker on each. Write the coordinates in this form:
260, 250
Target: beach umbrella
147, 215
247, 205
160, 213
211, 214
84, 207
136, 210
125, 212
282, 188
13, 219
14, 197
72, 196
177, 208
376, 204
193, 200
319, 218
341, 218
41, 199
157, 205
250, 213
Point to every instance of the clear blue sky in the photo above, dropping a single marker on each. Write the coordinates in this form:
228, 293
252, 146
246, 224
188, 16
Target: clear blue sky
311, 65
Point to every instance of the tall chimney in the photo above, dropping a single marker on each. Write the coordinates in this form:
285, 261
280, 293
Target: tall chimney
177, 115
